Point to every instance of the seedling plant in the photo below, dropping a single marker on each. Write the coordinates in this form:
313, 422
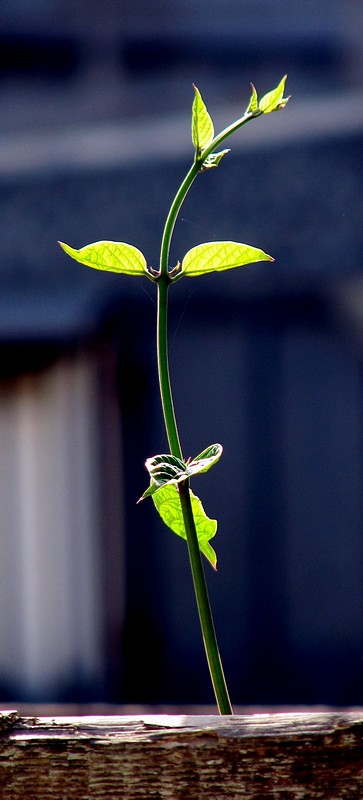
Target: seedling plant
170, 473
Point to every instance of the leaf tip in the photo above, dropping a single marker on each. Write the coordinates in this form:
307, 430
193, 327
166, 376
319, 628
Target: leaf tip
67, 249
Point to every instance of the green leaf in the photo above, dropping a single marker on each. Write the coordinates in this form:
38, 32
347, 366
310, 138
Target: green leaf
205, 460
214, 159
202, 125
167, 503
110, 256
253, 104
218, 256
166, 469
163, 469
274, 100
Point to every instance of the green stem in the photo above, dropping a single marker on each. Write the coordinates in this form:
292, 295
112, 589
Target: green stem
200, 586
203, 604
163, 280
223, 135
187, 183
172, 216
163, 369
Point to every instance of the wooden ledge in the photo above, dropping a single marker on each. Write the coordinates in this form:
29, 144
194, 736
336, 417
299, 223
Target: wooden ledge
294, 756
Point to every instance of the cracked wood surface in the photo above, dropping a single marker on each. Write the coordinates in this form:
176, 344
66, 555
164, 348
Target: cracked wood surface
289, 756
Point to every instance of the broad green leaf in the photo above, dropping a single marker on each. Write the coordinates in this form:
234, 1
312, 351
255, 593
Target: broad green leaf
110, 256
218, 256
274, 100
202, 125
214, 159
253, 104
166, 468
167, 503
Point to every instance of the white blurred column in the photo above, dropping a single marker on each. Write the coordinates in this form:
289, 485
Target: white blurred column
51, 571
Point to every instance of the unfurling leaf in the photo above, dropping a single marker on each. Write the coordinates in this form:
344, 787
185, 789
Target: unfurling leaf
205, 460
110, 256
274, 100
167, 469
167, 503
163, 469
218, 256
214, 159
202, 125
253, 104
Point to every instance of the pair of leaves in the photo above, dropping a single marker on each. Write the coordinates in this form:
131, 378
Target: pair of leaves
208, 257
272, 101
170, 469
166, 471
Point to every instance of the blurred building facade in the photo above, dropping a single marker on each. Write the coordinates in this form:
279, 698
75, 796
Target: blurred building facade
94, 136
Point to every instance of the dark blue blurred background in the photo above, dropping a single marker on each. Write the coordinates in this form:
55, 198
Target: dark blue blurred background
96, 601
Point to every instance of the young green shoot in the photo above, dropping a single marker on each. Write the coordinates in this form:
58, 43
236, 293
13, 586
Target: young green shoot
170, 474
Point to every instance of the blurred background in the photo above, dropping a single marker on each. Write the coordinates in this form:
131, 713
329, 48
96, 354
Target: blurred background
96, 601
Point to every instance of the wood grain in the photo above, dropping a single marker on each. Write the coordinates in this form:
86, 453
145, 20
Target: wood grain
289, 756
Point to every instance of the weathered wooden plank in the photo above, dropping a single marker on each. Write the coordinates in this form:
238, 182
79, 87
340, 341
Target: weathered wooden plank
294, 756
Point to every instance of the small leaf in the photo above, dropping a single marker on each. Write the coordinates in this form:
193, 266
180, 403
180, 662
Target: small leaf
202, 125
165, 469
218, 256
167, 503
205, 460
274, 100
110, 256
214, 159
253, 104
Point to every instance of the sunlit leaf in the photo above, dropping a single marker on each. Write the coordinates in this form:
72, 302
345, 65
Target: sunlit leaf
163, 469
205, 460
167, 503
214, 159
218, 256
166, 468
110, 256
274, 100
253, 104
202, 125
